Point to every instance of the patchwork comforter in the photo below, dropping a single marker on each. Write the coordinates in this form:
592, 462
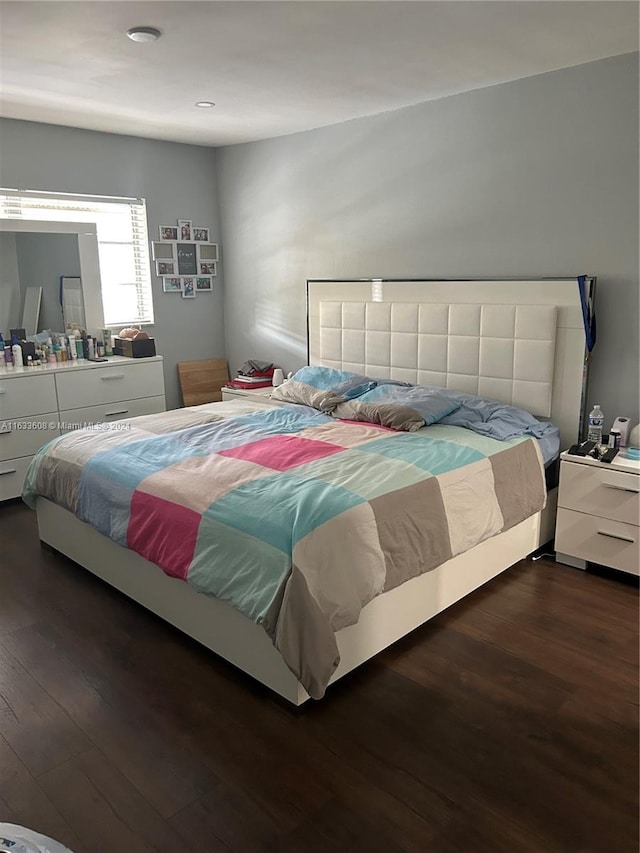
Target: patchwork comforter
295, 518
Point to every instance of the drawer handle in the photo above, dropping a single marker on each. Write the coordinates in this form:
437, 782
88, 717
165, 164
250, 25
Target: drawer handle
620, 488
10, 471
113, 376
616, 536
112, 414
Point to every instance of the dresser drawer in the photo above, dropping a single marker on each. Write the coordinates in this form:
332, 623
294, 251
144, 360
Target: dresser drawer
109, 384
600, 491
23, 436
598, 540
12, 475
27, 395
79, 418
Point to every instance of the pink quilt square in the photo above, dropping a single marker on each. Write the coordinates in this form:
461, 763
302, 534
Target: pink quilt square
163, 532
282, 452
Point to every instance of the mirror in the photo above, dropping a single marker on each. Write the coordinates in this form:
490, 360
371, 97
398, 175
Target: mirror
40, 253
31, 310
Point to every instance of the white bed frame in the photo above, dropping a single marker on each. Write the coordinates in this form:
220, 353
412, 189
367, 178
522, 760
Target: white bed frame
392, 615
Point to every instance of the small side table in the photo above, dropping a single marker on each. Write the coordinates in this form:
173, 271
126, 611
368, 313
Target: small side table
598, 517
262, 394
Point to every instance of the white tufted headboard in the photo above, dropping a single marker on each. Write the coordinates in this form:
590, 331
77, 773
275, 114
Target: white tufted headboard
519, 342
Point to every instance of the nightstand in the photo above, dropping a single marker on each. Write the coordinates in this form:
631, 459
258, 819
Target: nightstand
598, 517
262, 394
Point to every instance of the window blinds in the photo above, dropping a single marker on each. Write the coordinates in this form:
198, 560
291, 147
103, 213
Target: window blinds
121, 228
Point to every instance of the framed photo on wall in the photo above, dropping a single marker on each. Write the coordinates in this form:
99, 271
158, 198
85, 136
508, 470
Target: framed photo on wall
184, 230
165, 268
200, 235
168, 232
164, 251
207, 252
172, 284
187, 259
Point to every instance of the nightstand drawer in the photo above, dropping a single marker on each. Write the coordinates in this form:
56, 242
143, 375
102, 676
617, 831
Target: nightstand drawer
598, 540
260, 395
600, 491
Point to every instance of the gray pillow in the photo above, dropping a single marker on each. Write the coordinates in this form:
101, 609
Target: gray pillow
389, 415
292, 391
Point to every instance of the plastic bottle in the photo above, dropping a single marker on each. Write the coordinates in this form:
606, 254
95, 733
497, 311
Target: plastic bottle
596, 422
16, 351
8, 356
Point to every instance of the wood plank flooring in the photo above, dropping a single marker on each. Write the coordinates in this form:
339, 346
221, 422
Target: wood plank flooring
508, 724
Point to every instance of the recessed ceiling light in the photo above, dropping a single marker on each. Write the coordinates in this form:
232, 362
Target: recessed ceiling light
204, 104
144, 34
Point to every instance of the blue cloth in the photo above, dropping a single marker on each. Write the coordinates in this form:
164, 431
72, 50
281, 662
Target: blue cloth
483, 416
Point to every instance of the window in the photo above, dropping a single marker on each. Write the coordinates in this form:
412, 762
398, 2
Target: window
121, 226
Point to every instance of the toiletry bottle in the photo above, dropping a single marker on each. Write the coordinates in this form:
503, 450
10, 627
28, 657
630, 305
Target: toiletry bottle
1, 346
8, 356
596, 421
615, 438
16, 351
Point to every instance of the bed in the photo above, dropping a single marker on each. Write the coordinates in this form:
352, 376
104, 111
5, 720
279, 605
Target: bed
518, 342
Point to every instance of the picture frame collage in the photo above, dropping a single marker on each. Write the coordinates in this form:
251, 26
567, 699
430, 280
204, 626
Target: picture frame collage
185, 258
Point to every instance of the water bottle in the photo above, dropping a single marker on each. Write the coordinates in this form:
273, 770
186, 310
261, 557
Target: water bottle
596, 421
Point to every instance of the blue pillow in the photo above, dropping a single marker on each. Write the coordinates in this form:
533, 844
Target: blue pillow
326, 378
322, 388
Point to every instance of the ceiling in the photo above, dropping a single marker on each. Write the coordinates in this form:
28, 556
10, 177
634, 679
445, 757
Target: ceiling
274, 68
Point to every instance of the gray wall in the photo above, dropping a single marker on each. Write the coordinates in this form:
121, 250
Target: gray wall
42, 259
10, 304
177, 181
533, 178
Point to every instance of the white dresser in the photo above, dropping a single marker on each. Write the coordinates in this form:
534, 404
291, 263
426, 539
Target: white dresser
39, 403
599, 513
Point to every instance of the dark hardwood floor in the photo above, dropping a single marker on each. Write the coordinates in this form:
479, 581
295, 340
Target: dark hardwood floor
509, 724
